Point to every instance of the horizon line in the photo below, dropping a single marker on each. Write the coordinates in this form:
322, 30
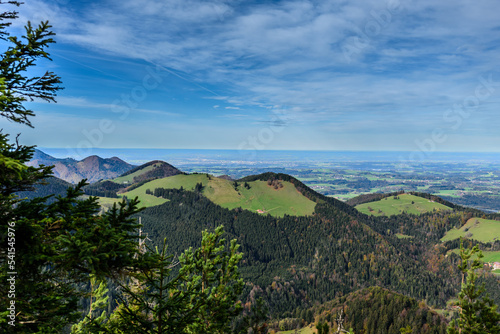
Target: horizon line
263, 150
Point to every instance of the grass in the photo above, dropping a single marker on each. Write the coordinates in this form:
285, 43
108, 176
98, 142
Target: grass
479, 229
305, 330
129, 179
260, 196
188, 182
491, 256
390, 206
107, 202
488, 256
177, 181
450, 193
146, 200
403, 236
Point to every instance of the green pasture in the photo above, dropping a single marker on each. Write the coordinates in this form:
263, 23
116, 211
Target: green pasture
188, 182
479, 229
390, 206
108, 202
491, 256
487, 255
403, 236
260, 196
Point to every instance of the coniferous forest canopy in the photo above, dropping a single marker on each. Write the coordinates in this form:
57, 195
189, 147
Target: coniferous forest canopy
159, 250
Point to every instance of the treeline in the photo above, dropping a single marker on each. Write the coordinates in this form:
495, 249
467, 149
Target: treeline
367, 198
103, 189
437, 200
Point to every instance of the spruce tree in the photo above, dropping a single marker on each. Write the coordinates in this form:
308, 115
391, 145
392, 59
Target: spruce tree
49, 248
202, 297
218, 285
478, 313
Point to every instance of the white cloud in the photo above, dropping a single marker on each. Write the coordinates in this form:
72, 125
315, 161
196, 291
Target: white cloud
82, 102
426, 58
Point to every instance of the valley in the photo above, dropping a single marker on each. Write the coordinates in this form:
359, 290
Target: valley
466, 179
302, 249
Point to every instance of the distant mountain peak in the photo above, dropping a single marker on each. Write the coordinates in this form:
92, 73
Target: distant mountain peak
116, 159
92, 168
144, 172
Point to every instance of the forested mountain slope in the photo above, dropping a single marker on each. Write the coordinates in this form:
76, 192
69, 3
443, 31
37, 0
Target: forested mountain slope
380, 311
298, 261
51, 186
302, 260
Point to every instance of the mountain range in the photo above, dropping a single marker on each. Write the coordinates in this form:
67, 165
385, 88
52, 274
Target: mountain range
92, 168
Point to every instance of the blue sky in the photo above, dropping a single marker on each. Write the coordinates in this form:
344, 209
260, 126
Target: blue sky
310, 75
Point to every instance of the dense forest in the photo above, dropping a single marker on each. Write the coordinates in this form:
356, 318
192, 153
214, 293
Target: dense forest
303, 260
376, 310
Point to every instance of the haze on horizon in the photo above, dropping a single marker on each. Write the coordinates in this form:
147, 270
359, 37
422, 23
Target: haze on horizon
283, 75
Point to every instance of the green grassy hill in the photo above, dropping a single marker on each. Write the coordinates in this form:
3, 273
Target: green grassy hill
155, 169
479, 229
129, 178
260, 197
402, 203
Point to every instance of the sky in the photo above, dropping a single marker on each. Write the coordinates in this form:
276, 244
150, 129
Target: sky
393, 75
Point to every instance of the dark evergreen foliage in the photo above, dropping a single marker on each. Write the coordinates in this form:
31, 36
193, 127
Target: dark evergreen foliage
367, 198
50, 186
380, 311
300, 260
103, 189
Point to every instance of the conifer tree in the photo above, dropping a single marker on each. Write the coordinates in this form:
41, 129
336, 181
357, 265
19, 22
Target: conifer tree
323, 328
202, 297
218, 286
478, 313
99, 300
151, 301
49, 248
